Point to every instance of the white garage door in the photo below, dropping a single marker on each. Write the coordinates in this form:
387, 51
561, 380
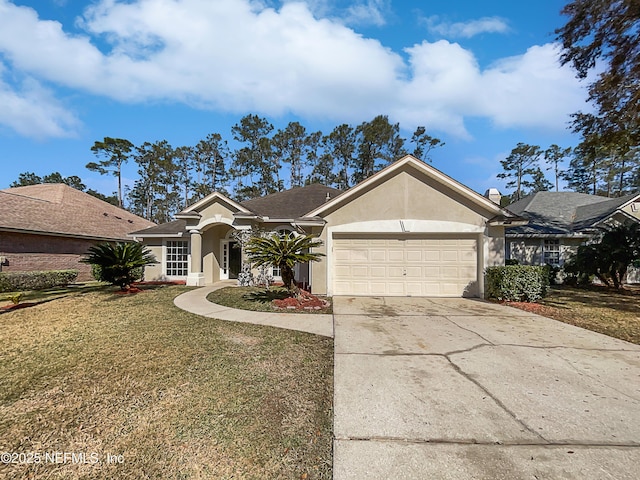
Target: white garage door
444, 267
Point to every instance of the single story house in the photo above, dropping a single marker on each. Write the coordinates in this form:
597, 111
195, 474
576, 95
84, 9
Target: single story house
561, 221
51, 226
407, 230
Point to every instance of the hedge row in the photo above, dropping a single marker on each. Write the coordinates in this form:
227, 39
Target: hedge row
16, 281
517, 283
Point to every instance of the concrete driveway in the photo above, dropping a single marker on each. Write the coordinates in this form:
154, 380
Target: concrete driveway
465, 389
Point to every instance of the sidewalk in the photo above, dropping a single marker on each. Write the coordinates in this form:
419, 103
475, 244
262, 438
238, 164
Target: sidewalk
195, 301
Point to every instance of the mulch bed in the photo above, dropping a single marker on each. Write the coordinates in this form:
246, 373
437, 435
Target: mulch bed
14, 306
305, 301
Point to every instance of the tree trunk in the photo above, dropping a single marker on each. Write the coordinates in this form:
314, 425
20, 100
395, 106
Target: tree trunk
289, 280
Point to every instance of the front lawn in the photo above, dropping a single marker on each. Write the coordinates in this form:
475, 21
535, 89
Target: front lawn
599, 309
129, 387
255, 299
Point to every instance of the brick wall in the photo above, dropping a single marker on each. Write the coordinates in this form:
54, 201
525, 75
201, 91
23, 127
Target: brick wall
26, 253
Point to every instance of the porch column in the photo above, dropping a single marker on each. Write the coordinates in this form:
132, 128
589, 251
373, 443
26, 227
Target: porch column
196, 277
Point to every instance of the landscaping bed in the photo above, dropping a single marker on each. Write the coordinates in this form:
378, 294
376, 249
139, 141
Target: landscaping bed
276, 299
599, 309
166, 393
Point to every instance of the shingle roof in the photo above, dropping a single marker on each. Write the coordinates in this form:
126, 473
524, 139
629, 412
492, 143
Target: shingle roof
294, 203
59, 209
169, 228
562, 212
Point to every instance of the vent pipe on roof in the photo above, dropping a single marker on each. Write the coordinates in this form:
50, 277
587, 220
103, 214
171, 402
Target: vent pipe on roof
328, 197
494, 195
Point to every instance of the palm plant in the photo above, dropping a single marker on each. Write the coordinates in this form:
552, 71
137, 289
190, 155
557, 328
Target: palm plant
283, 251
119, 263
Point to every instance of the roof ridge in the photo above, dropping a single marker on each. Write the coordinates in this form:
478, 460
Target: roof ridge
6, 192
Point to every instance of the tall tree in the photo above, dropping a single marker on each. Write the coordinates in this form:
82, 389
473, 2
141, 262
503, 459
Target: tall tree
184, 160
290, 145
520, 166
341, 145
554, 156
379, 144
578, 176
424, 143
116, 152
255, 159
210, 157
156, 194
606, 33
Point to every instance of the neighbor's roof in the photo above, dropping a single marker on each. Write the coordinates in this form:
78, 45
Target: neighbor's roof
291, 204
563, 213
55, 208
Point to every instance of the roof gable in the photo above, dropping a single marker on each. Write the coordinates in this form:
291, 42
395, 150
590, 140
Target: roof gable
215, 197
61, 210
405, 163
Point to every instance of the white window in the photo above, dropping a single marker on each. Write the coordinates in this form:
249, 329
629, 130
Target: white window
551, 252
177, 258
275, 271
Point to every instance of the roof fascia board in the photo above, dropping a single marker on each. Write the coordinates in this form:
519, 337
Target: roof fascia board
421, 166
187, 216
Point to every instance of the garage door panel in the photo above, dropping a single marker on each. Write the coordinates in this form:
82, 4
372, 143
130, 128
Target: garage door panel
414, 255
378, 271
378, 255
431, 255
415, 266
396, 255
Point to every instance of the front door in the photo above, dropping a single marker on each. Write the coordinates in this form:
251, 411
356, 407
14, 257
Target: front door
235, 259
231, 260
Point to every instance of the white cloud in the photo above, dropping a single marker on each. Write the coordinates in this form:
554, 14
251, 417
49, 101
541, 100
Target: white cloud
465, 29
32, 111
240, 56
370, 12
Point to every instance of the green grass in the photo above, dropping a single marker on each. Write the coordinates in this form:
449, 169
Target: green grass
255, 299
599, 309
54, 293
179, 396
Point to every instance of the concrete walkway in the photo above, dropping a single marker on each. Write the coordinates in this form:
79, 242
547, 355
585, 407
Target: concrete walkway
195, 301
469, 390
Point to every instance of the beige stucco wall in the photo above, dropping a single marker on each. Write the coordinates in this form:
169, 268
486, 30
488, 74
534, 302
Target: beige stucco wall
407, 195
154, 272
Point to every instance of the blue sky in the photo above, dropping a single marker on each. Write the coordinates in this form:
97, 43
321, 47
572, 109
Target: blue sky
482, 75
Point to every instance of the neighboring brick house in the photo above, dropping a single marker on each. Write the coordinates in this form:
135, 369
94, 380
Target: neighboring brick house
51, 226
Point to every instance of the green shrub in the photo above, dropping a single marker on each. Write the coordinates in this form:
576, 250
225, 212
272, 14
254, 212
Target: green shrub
96, 272
119, 263
517, 283
15, 281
